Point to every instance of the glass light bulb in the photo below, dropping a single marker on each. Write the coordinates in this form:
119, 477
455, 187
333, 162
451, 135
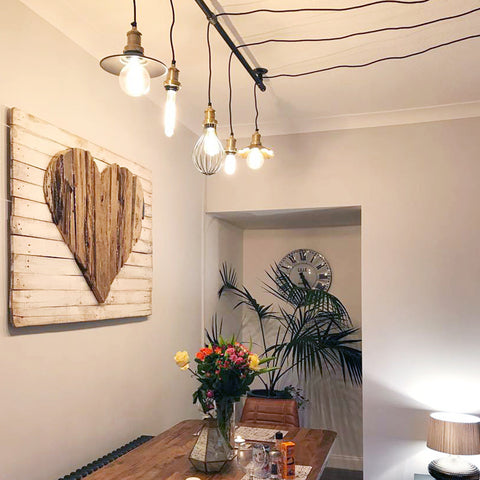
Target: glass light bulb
170, 113
212, 144
230, 164
134, 77
255, 159
208, 153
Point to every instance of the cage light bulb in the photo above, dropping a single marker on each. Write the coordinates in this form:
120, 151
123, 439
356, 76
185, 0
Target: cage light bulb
230, 164
255, 158
134, 77
212, 145
170, 113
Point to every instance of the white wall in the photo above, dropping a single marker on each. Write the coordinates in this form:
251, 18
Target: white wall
70, 394
418, 186
332, 404
223, 243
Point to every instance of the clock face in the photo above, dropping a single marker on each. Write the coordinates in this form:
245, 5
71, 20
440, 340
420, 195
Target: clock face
307, 268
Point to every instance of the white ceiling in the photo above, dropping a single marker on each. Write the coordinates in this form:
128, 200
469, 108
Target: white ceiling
299, 218
439, 85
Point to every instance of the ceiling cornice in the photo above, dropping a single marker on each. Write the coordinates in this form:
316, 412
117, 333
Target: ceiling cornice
363, 120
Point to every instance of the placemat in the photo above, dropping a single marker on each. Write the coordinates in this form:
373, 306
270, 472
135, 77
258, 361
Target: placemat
258, 434
301, 472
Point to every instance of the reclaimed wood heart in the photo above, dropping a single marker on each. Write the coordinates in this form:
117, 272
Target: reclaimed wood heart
98, 214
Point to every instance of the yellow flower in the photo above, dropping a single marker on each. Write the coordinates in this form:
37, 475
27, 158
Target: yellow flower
254, 361
182, 359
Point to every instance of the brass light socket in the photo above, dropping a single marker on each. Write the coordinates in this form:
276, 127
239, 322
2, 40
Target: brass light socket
231, 145
256, 140
209, 120
171, 82
134, 42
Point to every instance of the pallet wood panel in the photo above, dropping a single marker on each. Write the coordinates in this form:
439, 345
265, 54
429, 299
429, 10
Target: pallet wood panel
46, 284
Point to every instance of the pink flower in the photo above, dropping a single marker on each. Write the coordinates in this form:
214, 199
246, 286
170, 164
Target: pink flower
230, 351
209, 393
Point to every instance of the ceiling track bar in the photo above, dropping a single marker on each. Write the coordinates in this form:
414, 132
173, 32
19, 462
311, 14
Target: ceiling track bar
255, 73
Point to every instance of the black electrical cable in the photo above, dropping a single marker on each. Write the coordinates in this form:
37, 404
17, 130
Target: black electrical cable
134, 23
366, 32
171, 32
230, 93
256, 105
399, 57
344, 9
209, 47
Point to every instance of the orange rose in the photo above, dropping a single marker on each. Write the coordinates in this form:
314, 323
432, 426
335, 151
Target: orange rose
203, 353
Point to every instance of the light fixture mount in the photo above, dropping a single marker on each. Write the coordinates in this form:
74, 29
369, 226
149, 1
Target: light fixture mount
114, 63
231, 146
209, 120
171, 81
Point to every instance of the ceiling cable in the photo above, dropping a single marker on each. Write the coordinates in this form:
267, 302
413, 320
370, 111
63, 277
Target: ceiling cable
134, 23
399, 57
171, 33
230, 94
209, 47
355, 34
256, 105
342, 9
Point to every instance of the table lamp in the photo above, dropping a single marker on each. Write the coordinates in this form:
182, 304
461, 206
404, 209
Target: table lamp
455, 434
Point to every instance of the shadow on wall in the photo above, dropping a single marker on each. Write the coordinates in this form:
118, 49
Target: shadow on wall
66, 327
399, 421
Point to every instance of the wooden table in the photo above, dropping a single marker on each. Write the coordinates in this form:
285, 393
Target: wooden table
165, 457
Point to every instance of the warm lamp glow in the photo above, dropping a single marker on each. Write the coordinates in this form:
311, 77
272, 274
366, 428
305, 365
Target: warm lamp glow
230, 164
255, 158
170, 114
134, 78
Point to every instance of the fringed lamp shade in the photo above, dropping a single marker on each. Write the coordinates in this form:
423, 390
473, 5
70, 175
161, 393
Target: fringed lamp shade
456, 434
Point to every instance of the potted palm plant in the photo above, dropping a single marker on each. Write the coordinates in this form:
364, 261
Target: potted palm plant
312, 331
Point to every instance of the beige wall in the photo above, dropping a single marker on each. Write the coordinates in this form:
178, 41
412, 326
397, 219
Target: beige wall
70, 394
223, 243
332, 404
418, 186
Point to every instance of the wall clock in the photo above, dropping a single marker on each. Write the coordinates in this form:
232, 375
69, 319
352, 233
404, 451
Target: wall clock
307, 268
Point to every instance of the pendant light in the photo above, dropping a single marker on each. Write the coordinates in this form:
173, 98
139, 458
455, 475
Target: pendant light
230, 165
256, 153
231, 160
208, 153
132, 67
172, 86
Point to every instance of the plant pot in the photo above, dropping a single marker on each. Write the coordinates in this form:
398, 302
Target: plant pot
262, 393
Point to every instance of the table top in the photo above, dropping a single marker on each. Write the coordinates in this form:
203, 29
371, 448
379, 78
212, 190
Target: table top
165, 457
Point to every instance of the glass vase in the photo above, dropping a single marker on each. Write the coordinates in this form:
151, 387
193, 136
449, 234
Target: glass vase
225, 409
211, 451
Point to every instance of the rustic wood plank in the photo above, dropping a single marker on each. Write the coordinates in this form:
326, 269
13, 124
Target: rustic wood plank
30, 209
33, 230
30, 191
44, 272
81, 314
57, 298
166, 456
27, 281
31, 157
67, 266
45, 131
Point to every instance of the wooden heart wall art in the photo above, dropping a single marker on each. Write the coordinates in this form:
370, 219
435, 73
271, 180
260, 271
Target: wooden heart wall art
99, 214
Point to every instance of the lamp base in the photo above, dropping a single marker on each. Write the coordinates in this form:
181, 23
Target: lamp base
453, 468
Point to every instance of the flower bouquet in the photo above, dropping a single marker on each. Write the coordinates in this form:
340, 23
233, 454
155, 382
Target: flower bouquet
225, 371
